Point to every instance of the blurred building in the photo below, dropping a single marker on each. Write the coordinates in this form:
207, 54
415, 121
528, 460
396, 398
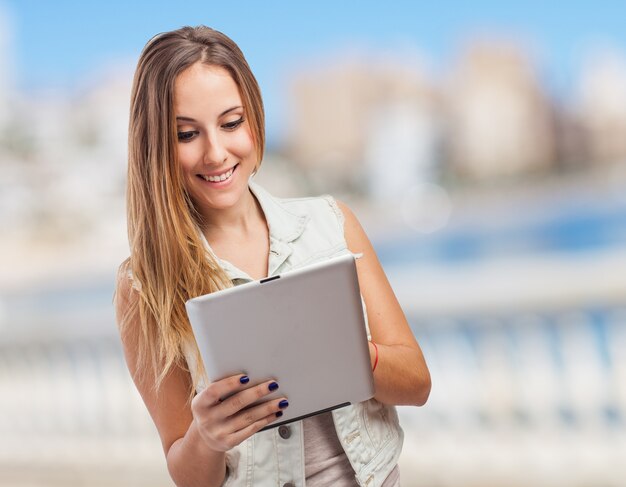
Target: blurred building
572, 151
368, 126
499, 121
63, 177
601, 107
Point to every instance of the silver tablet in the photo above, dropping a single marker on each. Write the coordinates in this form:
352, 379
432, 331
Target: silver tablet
305, 328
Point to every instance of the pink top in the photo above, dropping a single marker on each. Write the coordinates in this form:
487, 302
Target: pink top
325, 462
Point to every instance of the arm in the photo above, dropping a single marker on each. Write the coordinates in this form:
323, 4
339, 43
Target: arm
401, 376
194, 436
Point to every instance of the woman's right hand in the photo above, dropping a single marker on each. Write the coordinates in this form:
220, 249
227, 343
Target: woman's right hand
225, 424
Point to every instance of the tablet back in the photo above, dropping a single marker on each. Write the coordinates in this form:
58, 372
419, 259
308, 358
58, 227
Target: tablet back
304, 328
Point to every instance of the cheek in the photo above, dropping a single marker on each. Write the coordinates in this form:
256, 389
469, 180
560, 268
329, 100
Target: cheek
187, 155
187, 158
244, 144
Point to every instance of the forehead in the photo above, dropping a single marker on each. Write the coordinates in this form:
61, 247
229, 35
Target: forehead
203, 87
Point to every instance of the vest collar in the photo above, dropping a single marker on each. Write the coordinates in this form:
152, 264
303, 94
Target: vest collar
284, 226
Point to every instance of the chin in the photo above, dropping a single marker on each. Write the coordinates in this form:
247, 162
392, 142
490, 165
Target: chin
218, 201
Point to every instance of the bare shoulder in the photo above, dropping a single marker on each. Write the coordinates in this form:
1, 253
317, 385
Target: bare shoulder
127, 315
368, 266
355, 235
123, 290
126, 299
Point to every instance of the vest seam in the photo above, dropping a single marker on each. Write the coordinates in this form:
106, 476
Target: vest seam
334, 248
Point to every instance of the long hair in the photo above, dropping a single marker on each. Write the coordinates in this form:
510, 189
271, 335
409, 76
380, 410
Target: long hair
168, 262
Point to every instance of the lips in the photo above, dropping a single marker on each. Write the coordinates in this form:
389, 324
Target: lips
218, 178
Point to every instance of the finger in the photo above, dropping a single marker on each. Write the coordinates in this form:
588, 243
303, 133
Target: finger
245, 418
245, 433
211, 395
245, 398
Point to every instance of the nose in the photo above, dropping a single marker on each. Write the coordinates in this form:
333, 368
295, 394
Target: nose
215, 151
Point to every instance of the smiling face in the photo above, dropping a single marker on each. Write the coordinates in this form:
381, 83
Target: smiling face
215, 146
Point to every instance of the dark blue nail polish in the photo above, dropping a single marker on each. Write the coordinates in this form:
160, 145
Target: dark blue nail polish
279, 414
273, 386
283, 404
244, 380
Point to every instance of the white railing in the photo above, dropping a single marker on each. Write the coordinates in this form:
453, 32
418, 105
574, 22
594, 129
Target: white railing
527, 391
69, 411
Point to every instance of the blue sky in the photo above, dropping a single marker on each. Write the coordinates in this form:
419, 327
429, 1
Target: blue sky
59, 43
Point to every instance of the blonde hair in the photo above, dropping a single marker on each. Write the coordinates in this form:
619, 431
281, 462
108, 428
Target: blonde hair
168, 261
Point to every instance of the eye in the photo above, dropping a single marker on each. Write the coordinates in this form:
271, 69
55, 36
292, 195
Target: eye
187, 136
233, 125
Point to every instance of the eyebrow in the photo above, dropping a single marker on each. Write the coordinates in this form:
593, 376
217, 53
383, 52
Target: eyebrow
189, 119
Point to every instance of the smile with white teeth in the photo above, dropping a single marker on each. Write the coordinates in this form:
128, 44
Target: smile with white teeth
220, 178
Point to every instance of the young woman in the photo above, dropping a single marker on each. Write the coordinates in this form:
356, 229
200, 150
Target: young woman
197, 223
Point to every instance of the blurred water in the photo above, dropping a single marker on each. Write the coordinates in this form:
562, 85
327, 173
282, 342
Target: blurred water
581, 226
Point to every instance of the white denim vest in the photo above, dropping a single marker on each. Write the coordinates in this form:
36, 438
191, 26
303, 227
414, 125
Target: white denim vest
303, 231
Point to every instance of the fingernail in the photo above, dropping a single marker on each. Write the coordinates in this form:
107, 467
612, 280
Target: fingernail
279, 414
244, 380
283, 404
273, 386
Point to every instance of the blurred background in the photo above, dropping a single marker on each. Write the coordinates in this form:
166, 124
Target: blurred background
481, 144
